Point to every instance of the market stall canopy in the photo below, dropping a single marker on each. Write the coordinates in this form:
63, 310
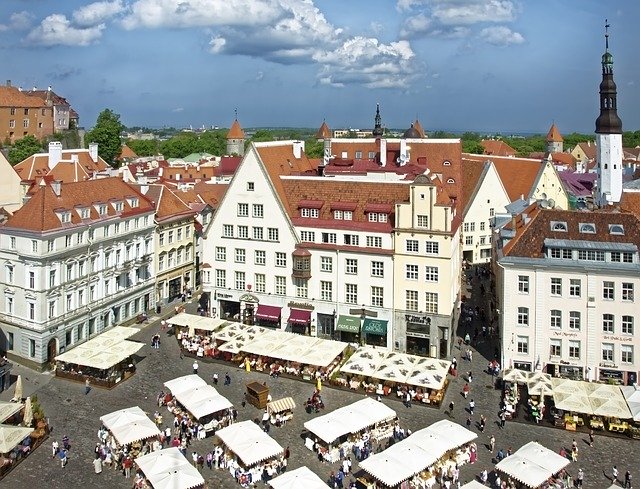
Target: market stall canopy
8, 409
539, 384
349, 419
474, 484
514, 375
610, 408
194, 321
185, 383
576, 402
284, 404
414, 454
301, 478
202, 401
129, 425
169, 469
532, 464
232, 330
250, 444
11, 436
632, 396
348, 324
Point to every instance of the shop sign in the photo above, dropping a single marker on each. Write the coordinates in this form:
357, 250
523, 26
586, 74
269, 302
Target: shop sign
564, 333
410, 318
610, 374
417, 335
224, 296
248, 298
618, 338
301, 305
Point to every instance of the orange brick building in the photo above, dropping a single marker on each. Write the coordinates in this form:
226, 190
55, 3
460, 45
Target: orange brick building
22, 115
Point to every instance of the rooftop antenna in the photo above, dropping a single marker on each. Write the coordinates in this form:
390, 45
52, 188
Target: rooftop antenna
606, 34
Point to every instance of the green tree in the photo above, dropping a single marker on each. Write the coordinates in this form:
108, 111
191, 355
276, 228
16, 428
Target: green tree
472, 146
23, 148
106, 133
314, 148
144, 147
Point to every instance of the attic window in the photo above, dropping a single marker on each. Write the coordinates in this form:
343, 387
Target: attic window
102, 210
84, 213
134, 202
616, 229
587, 228
118, 206
312, 213
65, 217
446, 163
558, 226
451, 180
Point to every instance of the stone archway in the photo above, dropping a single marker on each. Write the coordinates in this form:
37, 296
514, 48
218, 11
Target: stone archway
52, 350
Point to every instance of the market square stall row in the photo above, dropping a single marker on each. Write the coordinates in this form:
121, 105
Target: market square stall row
169, 469
534, 466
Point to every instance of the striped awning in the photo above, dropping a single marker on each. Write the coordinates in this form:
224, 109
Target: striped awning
284, 404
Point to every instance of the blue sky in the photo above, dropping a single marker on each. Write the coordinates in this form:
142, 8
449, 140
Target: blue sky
486, 65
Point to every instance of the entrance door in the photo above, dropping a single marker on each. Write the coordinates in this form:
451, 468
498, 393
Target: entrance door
444, 348
52, 350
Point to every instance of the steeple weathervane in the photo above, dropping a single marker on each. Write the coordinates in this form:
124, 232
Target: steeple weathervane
377, 129
606, 34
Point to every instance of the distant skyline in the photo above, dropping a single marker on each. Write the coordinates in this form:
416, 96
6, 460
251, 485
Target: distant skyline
480, 65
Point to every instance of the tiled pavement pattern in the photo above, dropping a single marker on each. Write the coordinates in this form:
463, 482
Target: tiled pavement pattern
75, 414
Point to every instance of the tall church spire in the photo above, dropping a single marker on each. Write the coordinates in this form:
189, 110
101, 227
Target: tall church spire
377, 129
608, 122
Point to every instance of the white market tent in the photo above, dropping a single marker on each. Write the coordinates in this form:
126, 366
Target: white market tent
233, 329
403, 368
194, 321
169, 469
203, 401
414, 454
185, 383
11, 436
299, 478
590, 398
250, 444
474, 484
515, 375
349, 419
8, 409
129, 425
532, 464
632, 396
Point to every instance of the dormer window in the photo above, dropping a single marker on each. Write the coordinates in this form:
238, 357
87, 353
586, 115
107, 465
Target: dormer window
587, 227
451, 180
378, 217
84, 213
446, 163
616, 229
65, 217
102, 210
558, 226
133, 202
311, 213
118, 206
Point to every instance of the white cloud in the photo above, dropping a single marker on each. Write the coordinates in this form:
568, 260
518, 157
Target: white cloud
18, 21
97, 12
56, 29
178, 109
471, 12
501, 36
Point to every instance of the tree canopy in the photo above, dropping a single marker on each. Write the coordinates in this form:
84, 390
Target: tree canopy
106, 133
23, 148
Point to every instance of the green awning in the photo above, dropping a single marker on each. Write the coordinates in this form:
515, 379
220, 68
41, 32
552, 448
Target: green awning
350, 324
375, 326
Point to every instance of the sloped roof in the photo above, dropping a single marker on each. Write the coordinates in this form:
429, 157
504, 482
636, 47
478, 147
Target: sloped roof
168, 205
228, 165
37, 165
418, 127
324, 132
578, 184
497, 147
530, 237
47, 95
126, 153
188, 173
630, 202
554, 134
38, 214
589, 149
236, 131
472, 171
12, 97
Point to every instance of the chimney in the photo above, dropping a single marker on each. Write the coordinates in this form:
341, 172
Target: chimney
513, 222
403, 152
93, 151
55, 153
49, 88
298, 148
383, 152
56, 186
8, 83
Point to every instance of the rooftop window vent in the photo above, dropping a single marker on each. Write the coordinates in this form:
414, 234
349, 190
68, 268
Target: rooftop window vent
558, 226
616, 229
587, 227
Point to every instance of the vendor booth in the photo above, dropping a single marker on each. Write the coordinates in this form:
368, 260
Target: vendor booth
194, 324
15, 445
169, 469
342, 428
422, 457
130, 425
533, 465
301, 478
104, 360
9, 409
185, 383
281, 410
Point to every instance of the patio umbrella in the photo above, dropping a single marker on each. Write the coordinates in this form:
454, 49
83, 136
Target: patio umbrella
514, 375
540, 388
18, 393
575, 402
28, 413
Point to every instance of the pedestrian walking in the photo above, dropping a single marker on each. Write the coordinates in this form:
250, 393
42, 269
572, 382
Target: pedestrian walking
627, 480
591, 437
468, 421
465, 390
614, 474
483, 422
451, 406
62, 455
492, 443
574, 454
227, 379
580, 480
195, 367
407, 399
54, 448
472, 406
87, 387
469, 377
215, 378
503, 419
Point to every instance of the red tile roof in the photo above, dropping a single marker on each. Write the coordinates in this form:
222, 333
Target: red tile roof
12, 97
37, 165
228, 165
589, 149
418, 127
497, 147
630, 202
39, 213
126, 153
168, 205
324, 132
236, 131
471, 172
554, 134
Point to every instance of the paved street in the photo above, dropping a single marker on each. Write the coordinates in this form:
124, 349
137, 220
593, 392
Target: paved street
75, 414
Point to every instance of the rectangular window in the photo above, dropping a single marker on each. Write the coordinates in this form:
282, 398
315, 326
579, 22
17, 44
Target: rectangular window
574, 320
412, 246
574, 287
9, 273
554, 252
431, 302
281, 285
556, 286
241, 255
411, 300
34, 246
431, 248
468, 240
243, 232
307, 236
227, 230
301, 287
607, 323
52, 278
221, 253
13, 242
170, 237
574, 349
608, 290
523, 344
337, 215
260, 257
555, 348
377, 296
326, 264
261, 281
69, 272
326, 290
51, 309
377, 269
258, 211
9, 304
627, 257
627, 324
374, 242
221, 278
423, 221
351, 239
347, 215
556, 318
523, 316
32, 348
281, 259
627, 291
161, 238
351, 266
567, 254
329, 238
240, 282
351, 293
607, 352
250, 186
411, 272
523, 284
627, 353
482, 223
377, 217
272, 234
243, 210
32, 280
258, 233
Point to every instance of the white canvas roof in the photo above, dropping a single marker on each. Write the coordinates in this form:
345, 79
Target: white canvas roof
129, 425
299, 478
11, 436
590, 398
474, 484
349, 419
8, 409
412, 455
184, 383
169, 469
101, 353
514, 375
250, 444
202, 401
532, 464
632, 396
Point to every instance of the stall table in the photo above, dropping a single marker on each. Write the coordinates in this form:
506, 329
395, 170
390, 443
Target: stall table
257, 394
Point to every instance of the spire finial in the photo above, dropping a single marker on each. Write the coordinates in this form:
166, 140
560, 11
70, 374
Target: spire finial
236, 112
606, 33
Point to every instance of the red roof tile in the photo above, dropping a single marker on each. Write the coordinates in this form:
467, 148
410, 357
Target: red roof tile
236, 131
554, 134
497, 147
324, 132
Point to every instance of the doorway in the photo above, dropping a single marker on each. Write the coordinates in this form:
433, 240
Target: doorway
52, 350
